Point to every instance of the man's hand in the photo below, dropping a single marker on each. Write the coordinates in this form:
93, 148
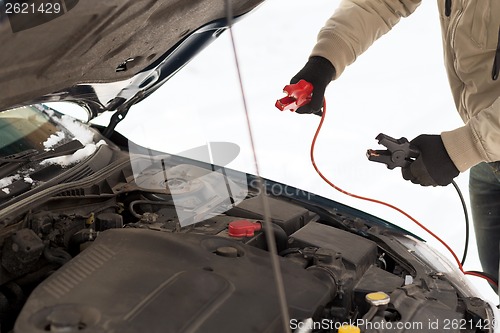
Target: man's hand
319, 72
433, 166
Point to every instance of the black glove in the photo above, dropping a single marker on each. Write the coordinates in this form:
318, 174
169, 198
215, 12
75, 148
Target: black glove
319, 72
433, 166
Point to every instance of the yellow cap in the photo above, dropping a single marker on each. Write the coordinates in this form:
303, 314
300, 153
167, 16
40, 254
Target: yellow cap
378, 298
349, 329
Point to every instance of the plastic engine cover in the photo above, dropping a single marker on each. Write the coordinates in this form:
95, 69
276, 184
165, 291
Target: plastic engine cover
133, 280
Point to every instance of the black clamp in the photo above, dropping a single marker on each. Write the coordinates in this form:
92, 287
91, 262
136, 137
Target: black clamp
399, 153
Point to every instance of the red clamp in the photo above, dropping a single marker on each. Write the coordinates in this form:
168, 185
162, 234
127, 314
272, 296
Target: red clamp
297, 95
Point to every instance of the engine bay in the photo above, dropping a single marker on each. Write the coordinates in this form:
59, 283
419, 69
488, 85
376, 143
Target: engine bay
113, 255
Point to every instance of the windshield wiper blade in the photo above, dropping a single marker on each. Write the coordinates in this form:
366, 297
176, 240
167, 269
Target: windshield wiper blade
64, 149
32, 155
13, 162
19, 157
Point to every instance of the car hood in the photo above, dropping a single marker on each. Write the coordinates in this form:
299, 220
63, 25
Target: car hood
102, 54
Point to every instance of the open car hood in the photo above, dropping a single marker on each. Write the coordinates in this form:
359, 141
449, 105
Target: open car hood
101, 54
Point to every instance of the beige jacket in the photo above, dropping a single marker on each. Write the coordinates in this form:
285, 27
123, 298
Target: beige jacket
470, 30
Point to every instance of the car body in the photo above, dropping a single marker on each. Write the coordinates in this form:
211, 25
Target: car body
100, 234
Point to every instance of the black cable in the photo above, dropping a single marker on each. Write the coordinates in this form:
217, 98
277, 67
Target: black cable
488, 277
466, 214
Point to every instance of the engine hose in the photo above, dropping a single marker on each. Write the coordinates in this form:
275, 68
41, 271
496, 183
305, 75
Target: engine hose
79, 238
82, 236
280, 236
148, 202
56, 256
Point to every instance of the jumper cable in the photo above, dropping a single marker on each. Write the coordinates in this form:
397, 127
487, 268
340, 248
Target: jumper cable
291, 103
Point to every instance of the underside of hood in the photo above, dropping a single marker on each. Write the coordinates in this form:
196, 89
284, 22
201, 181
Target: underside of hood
45, 54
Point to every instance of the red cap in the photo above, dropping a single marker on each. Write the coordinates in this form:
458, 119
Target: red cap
243, 228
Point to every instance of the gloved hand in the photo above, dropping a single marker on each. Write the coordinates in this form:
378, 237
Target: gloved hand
319, 72
433, 166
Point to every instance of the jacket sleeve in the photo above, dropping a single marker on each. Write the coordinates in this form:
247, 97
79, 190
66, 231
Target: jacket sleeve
355, 25
477, 141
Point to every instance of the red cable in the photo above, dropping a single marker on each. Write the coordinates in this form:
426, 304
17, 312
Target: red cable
478, 274
386, 204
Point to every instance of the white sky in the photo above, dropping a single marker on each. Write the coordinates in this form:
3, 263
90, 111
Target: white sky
398, 87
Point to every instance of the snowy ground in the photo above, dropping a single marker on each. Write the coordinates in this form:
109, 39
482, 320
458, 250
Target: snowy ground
398, 87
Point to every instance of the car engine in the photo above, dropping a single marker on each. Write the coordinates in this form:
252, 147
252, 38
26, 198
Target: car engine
102, 252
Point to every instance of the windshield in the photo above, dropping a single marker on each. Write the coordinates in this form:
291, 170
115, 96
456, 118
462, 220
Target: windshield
37, 144
24, 128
